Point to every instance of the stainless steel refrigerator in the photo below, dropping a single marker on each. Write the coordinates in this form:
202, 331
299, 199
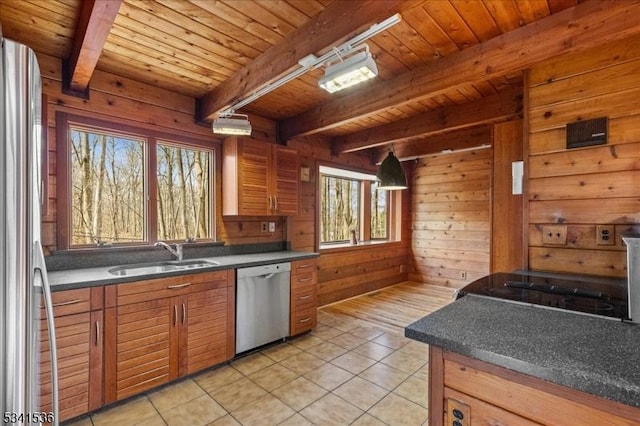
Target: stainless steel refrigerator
23, 275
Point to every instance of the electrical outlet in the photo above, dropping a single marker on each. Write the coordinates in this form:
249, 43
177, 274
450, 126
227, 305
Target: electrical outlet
605, 235
272, 227
554, 235
263, 226
463, 275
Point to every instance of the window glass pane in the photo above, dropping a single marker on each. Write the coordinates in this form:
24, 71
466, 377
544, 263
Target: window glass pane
379, 210
184, 206
340, 208
107, 188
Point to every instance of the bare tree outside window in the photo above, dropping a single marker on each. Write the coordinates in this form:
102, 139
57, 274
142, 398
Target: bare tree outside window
183, 193
340, 208
379, 219
107, 194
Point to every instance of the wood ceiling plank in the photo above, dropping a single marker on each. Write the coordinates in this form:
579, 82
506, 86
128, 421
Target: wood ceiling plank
484, 88
506, 14
477, 18
532, 10
240, 20
258, 13
39, 19
433, 34
413, 41
499, 107
556, 6
341, 19
94, 24
38, 39
143, 33
308, 7
196, 13
450, 20
286, 12
470, 93
403, 58
559, 34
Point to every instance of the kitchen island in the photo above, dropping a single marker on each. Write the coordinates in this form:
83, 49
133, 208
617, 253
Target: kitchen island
509, 363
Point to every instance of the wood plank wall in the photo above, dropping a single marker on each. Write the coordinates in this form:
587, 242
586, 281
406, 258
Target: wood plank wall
117, 99
451, 196
585, 187
350, 271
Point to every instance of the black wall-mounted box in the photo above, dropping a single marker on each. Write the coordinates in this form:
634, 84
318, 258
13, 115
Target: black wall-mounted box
587, 133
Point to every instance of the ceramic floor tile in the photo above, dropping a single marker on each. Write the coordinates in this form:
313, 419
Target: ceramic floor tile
391, 340
325, 332
156, 420
366, 332
328, 376
346, 323
130, 413
327, 351
215, 379
281, 351
415, 390
331, 411
325, 318
267, 410
374, 350
238, 394
423, 373
383, 375
302, 363
404, 362
197, 412
85, 421
367, 420
252, 363
417, 349
353, 362
395, 410
296, 420
361, 393
348, 341
225, 421
273, 377
173, 395
299, 393
305, 342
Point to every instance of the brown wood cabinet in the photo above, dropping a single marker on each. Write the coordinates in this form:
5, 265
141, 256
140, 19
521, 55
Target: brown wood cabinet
259, 178
304, 296
476, 393
161, 329
78, 317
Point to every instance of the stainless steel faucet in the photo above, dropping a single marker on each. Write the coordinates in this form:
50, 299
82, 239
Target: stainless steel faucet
177, 252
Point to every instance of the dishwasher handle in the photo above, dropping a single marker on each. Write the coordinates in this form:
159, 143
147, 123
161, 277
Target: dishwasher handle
267, 276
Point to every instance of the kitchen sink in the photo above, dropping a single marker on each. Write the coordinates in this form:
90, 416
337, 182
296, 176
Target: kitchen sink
160, 267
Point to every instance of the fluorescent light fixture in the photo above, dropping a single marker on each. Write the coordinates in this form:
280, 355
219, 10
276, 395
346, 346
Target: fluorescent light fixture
357, 68
232, 124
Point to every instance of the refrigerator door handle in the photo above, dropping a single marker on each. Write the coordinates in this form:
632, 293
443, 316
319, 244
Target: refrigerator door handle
41, 268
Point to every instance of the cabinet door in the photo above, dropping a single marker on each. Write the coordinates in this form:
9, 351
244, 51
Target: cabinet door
253, 178
143, 347
285, 181
304, 296
79, 347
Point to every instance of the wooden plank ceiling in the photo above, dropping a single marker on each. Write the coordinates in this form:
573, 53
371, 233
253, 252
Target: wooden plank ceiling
194, 46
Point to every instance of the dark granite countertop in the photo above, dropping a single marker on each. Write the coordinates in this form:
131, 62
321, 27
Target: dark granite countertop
89, 277
595, 355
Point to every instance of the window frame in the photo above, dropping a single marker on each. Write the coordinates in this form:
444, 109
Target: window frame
151, 138
393, 201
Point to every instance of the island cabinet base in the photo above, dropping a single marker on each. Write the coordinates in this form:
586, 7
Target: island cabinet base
465, 391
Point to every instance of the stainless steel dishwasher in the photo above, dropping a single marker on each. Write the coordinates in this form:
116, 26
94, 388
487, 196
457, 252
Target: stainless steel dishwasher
262, 305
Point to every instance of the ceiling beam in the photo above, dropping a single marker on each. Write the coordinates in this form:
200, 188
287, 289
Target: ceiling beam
340, 21
455, 140
95, 22
499, 107
587, 25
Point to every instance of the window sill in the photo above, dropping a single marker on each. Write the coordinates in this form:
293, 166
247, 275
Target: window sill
362, 245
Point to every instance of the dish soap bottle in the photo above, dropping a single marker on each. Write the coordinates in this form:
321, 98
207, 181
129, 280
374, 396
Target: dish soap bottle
354, 240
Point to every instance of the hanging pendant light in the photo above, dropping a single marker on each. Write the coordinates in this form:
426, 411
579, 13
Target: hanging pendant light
390, 174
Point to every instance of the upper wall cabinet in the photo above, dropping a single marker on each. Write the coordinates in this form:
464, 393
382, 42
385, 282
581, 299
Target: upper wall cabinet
258, 178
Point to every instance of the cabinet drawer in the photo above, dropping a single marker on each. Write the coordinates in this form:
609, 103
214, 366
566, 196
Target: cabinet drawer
301, 266
303, 280
303, 320
303, 298
68, 302
161, 288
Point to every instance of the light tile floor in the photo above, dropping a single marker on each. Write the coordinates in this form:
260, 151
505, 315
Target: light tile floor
346, 372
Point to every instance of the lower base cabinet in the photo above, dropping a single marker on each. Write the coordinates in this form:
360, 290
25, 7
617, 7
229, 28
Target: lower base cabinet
79, 343
159, 330
304, 296
465, 391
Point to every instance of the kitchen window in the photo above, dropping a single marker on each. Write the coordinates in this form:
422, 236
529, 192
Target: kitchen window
350, 201
128, 186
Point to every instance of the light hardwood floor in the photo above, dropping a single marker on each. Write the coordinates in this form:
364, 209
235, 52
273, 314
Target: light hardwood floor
393, 308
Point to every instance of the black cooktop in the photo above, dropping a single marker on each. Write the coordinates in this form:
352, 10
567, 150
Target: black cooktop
574, 293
